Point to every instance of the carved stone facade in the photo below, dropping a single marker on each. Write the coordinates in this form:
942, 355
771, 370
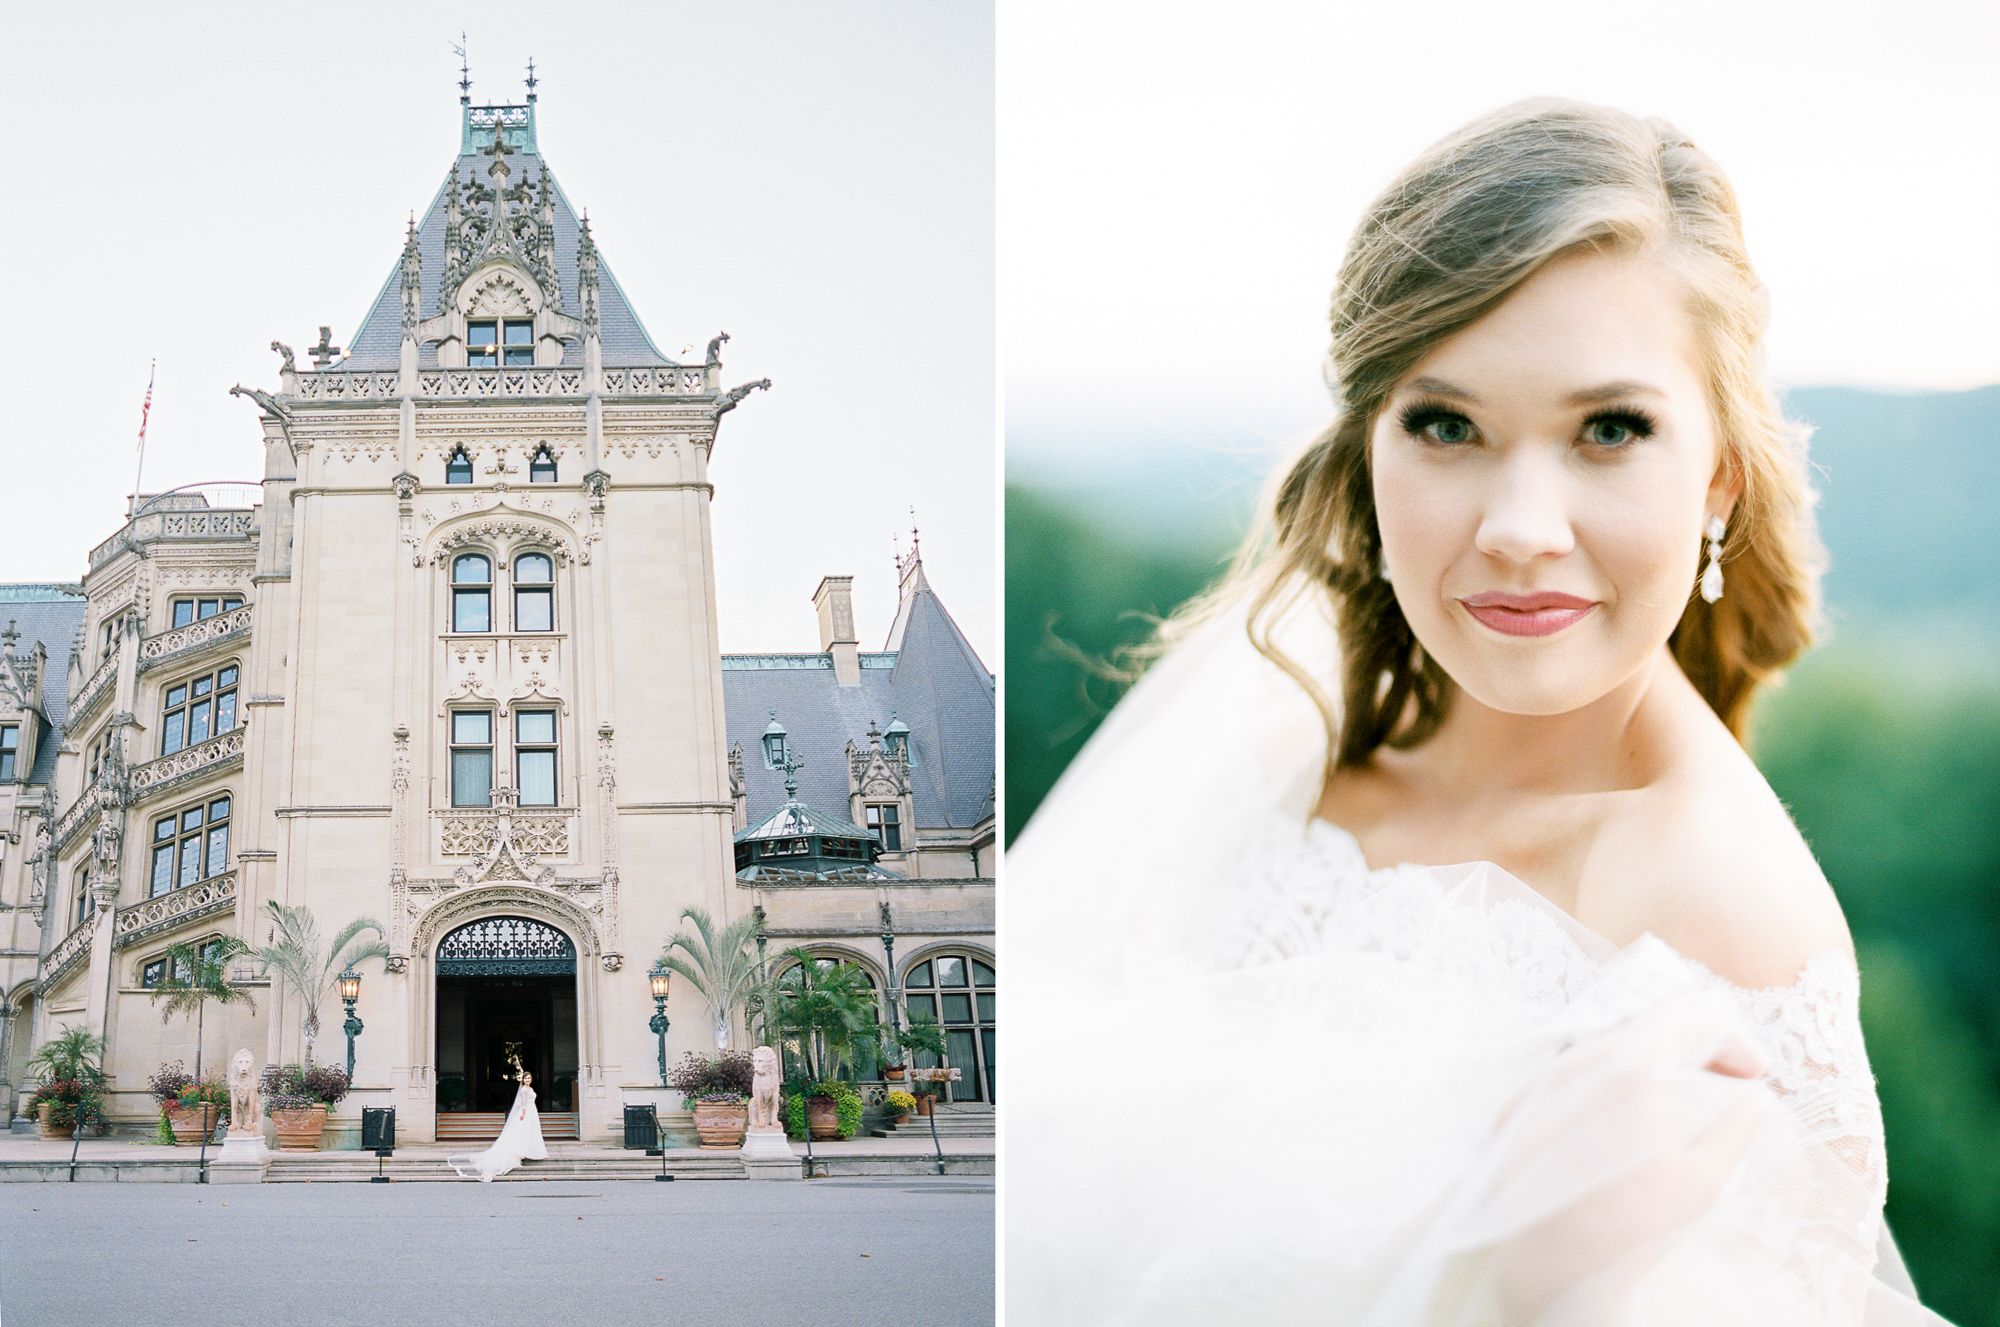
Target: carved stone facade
450, 660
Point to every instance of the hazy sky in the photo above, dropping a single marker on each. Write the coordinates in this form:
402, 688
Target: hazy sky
190, 182
1178, 181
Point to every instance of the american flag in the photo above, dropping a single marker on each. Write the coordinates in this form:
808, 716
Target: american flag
146, 411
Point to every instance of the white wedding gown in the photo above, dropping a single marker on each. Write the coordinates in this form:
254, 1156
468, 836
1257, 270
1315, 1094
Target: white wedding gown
1339, 1096
520, 1140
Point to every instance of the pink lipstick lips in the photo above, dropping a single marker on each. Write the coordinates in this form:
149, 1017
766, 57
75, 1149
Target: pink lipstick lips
1541, 614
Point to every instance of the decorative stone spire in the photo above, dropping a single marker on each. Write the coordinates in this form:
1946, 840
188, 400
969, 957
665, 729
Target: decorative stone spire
586, 272
413, 281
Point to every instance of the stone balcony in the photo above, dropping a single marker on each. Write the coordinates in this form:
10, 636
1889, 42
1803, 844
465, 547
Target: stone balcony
185, 643
383, 386
96, 687
175, 908
214, 756
71, 950
205, 525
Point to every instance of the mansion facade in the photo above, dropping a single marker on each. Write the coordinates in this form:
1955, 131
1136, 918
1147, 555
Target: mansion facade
453, 665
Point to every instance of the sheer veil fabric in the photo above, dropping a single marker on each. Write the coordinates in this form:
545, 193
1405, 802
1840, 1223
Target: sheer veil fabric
1411, 1096
520, 1140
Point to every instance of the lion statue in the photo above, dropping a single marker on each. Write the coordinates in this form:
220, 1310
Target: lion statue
244, 1115
764, 1088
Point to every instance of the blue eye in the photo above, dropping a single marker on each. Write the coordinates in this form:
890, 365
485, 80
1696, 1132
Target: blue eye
1617, 428
1433, 424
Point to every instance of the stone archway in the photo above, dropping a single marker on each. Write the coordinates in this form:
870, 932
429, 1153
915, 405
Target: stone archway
548, 913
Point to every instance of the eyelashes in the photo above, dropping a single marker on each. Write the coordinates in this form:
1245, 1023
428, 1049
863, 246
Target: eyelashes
1446, 426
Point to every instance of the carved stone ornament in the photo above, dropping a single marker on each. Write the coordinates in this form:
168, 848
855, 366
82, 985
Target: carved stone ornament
502, 533
406, 486
468, 689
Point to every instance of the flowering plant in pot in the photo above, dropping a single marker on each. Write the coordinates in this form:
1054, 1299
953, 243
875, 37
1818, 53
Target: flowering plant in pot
296, 1097
717, 1089
900, 1103
71, 1091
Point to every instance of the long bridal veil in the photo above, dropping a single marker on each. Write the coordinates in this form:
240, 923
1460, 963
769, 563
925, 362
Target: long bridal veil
520, 1140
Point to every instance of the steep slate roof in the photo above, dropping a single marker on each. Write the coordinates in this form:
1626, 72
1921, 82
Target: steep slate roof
378, 345
53, 615
934, 683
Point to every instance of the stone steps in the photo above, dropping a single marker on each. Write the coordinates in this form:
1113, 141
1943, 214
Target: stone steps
349, 1167
951, 1123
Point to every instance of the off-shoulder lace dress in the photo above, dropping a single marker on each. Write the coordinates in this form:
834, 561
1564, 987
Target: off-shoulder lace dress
1358, 1086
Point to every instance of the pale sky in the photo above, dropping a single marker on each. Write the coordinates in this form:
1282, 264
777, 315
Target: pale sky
1179, 180
192, 182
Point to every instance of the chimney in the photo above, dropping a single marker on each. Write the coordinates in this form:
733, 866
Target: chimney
835, 601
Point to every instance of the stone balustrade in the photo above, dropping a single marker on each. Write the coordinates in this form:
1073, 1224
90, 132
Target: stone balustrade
178, 907
207, 524
512, 383
71, 822
95, 689
188, 763
74, 948
168, 645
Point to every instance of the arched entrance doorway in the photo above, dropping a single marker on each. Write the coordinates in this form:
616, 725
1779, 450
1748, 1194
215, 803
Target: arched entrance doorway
506, 986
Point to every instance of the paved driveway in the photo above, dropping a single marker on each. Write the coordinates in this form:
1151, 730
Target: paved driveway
888, 1250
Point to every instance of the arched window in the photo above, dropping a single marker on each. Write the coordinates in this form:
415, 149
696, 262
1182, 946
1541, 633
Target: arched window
957, 990
471, 593
542, 469
534, 592
458, 470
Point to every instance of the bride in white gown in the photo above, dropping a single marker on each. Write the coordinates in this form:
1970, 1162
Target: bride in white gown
520, 1138
1460, 966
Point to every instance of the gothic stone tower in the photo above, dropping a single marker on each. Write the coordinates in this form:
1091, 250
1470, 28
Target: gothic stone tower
474, 685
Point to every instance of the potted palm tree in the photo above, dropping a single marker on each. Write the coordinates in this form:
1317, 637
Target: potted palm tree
198, 975
821, 1008
72, 1083
720, 963
306, 969
922, 1037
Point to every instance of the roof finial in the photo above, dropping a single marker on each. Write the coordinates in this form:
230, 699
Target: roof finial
9, 636
913, 533
464, 72
531, 78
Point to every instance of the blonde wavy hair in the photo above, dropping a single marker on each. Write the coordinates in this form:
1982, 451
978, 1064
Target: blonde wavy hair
1463, 228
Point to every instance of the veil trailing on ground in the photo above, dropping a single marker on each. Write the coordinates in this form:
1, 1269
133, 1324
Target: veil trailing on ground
520, 1140
1363, 1096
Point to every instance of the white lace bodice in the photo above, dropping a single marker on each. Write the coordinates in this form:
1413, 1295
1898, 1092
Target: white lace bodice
1307, 895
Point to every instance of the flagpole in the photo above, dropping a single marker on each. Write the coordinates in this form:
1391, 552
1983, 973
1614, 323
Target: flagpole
145, 413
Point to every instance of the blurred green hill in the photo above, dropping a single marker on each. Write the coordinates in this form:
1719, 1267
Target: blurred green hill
1884, 742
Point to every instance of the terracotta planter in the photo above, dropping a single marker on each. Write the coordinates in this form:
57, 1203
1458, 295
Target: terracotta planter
721, 1126
48, 1130
895, 1075
896, 1119
299, 1130
823, 1118
192, 1124
924, 1103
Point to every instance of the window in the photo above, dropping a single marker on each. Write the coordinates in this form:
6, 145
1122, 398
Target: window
535, 756
472, 758
10, 749
98, 749
198, 709
471, 593
542, 469
85, 905
534, 592
107, 634
487, 339
458, 470
153, 973
194, 610
189, 845
885, 822
957, 990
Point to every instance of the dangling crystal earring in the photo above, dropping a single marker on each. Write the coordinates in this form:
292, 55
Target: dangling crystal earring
1711, 576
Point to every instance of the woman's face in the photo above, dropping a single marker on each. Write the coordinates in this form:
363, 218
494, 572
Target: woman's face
1542, 480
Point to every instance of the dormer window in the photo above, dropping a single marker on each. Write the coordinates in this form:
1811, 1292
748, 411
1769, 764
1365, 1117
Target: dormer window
458, 470
542, 469
492, 341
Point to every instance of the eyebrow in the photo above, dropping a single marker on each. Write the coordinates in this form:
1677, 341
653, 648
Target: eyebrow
1610, 391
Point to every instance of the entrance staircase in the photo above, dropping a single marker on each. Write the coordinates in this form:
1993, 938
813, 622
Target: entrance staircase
484, 1126
564, 1162
960, 1119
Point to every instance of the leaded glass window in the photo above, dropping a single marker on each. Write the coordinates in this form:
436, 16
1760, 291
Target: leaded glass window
499, 946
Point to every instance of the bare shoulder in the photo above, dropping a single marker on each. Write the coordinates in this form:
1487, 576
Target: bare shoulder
1710, 862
